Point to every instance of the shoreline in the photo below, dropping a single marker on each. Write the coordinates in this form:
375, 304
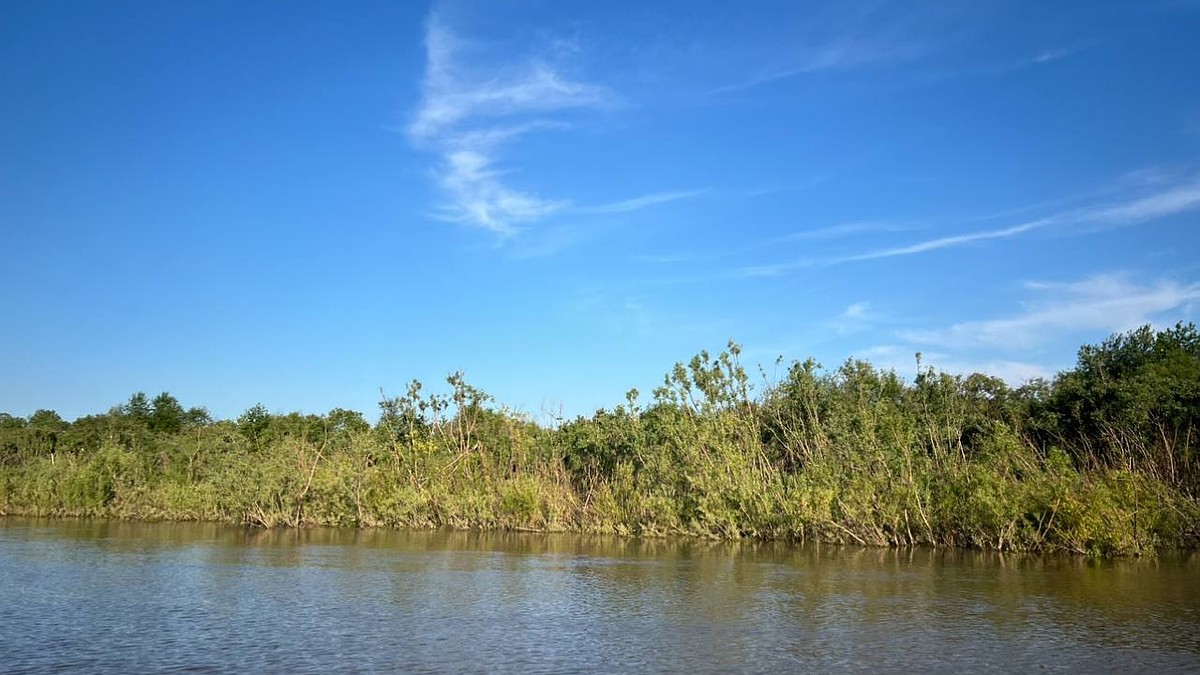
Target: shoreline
1188, 547
1103, 461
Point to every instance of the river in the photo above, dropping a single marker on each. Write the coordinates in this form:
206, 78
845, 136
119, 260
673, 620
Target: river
97, 596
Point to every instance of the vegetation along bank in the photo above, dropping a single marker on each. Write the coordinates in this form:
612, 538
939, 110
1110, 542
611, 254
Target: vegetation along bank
1102, 460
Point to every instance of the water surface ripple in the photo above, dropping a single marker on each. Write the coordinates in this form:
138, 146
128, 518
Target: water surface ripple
95, 596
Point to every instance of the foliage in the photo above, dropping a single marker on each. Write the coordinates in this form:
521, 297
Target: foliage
1102, 460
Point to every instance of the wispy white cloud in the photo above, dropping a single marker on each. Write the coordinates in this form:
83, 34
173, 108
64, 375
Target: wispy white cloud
468, 113
1169, 202
843, 53
479, 197
1171, 199
842, 230
491, 138
903, 360
1056, 313
948, 242
1181, 198
840, 52
1043, 57
855, 318
1107, 303
473, 106
857, 310
642, 202
1049, 55
1015, 373
772, 269
843, 36
454, 94
839, 231
883, 354
617, 313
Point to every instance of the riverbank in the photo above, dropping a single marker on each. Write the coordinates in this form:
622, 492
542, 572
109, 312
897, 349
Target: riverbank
1099, 462
1014, 502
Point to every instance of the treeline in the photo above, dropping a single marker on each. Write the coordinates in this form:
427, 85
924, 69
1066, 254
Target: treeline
1102, 460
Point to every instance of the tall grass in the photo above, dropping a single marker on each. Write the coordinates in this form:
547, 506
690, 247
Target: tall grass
855, 455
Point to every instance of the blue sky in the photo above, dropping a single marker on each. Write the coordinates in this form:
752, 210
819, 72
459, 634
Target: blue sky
301, 204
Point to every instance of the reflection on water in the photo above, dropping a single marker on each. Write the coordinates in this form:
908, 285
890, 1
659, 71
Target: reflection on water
118, 596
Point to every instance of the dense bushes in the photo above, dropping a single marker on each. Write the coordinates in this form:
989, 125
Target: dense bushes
1102, 460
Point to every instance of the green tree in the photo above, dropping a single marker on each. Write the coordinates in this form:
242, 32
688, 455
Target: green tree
166, 414
45, 431
253, 423
197, 416
1133, 401
137, 408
